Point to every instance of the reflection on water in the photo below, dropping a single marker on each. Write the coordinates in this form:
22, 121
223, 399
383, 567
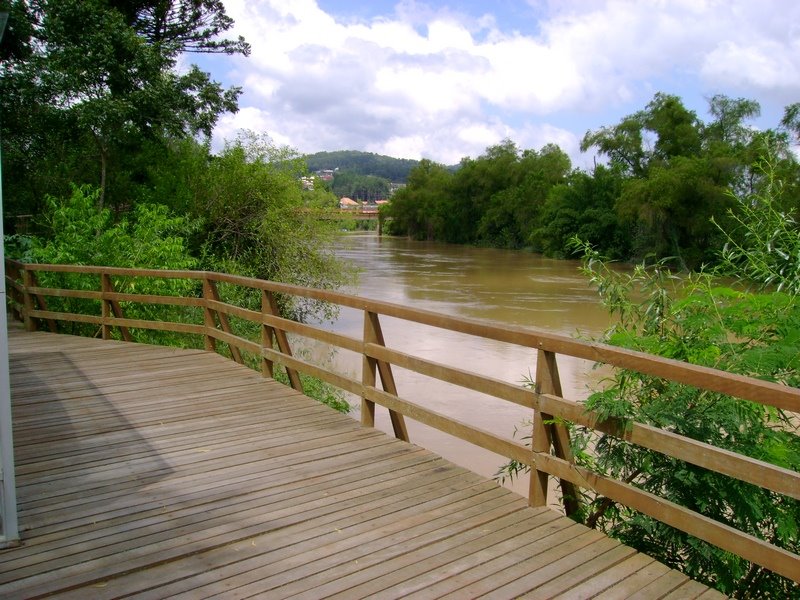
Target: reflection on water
508, 287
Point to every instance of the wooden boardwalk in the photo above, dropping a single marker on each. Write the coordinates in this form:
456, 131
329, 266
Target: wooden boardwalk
153, 472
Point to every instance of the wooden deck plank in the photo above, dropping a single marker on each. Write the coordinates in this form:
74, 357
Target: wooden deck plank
270, 572
661, 586
437, 549
432, 564
173, 523
634, 582
146, 515
149, 472
159, 490
606, 578
688, 591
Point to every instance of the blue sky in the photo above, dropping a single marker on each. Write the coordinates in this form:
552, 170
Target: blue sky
444, 80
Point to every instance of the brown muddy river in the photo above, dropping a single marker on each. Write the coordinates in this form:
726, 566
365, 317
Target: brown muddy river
509, 287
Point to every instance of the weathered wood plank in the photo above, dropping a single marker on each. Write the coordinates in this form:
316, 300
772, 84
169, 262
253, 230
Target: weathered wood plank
210, 480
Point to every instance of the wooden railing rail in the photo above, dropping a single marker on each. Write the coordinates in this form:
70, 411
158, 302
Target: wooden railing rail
549, 453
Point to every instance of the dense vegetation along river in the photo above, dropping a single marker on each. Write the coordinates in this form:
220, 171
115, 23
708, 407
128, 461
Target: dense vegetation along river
504, 286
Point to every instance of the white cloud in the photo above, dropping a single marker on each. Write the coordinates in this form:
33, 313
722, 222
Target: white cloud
762, 65
430, 81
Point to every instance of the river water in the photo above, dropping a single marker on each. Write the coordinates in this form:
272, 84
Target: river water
509, 287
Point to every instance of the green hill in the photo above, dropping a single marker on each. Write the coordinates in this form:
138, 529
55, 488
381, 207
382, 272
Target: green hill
395, 170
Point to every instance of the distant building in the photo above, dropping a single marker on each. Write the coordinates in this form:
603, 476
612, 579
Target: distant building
348, 204
325, 174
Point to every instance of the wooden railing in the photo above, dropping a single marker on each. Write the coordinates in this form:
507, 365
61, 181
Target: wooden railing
550, 452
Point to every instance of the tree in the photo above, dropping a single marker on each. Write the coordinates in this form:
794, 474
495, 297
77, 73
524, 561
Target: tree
182, 25
679, 170
359, 187
85, 89
623, 144
584, 206
791, 120
514, 212
252, 215
673, 208
417, 210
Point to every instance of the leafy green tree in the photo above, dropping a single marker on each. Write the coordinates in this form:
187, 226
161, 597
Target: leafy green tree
417, 210
584, 206
495, 199
514, 212
252, 215
623, 144
360, 187
679, 171
791, 120
182, 25
473, 186
82, 89
673, 207
81, 233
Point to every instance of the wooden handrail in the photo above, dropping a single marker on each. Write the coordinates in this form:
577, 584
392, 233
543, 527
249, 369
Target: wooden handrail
549, 454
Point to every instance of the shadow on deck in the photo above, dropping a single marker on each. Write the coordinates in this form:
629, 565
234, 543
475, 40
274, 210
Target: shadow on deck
154, 472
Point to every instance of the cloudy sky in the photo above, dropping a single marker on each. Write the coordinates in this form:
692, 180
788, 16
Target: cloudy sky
443, 80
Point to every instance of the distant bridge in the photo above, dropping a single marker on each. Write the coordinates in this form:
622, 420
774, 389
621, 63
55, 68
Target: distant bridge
360, 215
355, 215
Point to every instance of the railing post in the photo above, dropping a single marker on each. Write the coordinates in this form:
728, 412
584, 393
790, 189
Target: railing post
267, 337
546, 434
115, 309
211, 294
27, 300
369, 367
283, 341
105, 304
13, 274
374, 335
210, 323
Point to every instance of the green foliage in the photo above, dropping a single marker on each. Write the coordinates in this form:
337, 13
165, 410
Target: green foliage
395, 170
584, 206
693, 320
253, 217
416, 209
87, 84
679, 171
359, 187
493, 200
764, 245
673, 207
669, 175
83, 234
